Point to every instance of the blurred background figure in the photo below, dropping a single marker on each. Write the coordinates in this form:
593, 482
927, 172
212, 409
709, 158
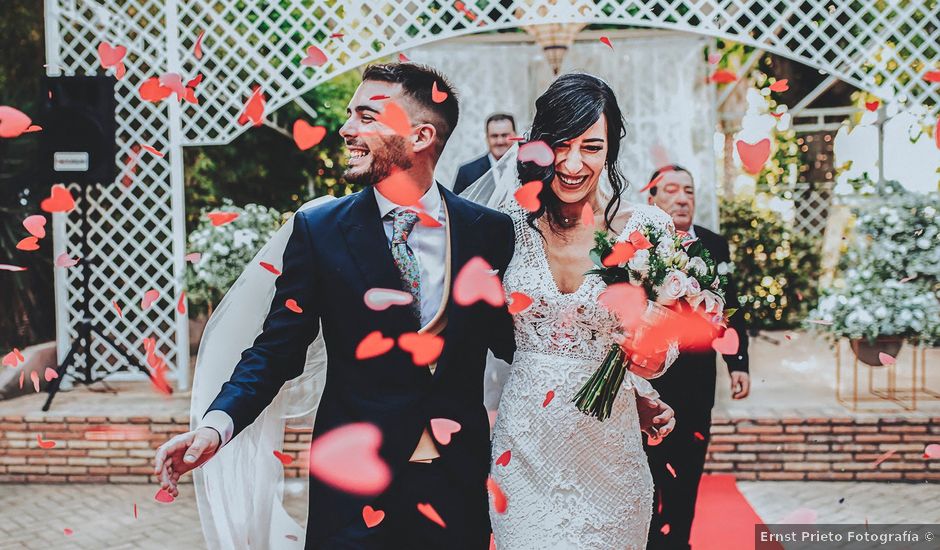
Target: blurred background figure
689, 386
499, 128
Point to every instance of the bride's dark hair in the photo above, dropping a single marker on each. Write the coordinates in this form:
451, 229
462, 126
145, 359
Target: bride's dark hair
571, 105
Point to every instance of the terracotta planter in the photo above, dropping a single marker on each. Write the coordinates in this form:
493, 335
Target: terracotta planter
868, 353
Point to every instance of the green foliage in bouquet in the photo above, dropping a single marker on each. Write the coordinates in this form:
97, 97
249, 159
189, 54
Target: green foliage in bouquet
775, 269
889, 274
225, 251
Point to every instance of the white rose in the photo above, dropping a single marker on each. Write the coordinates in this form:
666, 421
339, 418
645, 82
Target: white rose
713, 304
672, 288
692, 287
724, 268
680, 260
640, 262
716, 283
698, 265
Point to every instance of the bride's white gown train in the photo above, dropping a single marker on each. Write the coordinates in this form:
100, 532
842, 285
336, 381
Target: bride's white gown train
572, 481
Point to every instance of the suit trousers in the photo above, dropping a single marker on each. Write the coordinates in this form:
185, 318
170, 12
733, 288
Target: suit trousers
464, 511
675, 496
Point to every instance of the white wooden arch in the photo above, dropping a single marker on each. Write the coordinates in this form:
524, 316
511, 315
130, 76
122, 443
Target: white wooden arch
884, 46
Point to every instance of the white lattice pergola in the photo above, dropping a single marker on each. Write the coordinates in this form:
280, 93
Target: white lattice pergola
138, 231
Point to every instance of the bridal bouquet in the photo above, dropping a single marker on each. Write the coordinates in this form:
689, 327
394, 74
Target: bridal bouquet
672, 280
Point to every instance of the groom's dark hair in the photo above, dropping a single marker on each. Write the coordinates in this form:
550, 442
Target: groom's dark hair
417, 82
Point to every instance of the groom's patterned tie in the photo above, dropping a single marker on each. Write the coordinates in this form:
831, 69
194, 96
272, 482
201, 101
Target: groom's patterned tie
403, 222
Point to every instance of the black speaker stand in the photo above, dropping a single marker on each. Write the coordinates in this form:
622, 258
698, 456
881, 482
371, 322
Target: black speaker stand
86, 326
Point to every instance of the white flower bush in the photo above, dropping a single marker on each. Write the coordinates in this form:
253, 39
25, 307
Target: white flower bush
226, 249
888, 285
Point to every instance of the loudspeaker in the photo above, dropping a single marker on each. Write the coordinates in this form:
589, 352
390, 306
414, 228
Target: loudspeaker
78, 130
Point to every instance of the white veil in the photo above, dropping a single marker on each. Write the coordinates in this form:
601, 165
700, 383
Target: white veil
240, 490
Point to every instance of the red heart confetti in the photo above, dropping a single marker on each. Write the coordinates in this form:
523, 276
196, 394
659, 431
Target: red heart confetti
620, 254
371, 516
34, 377
254, 109
883, 457
639, 240
886, 359
181, 304
672, 470
626, 301
426, 220
504, 458
653, 183
307, 136
285, 459
197, 48
443, 429
527, 196
753, 155
402, 58
400, 188
36, 225
549, 395
315, 57
728, 343
587, 215
163, 496
653, 441
117, 308
373, 345
152, 90
270, 268
518, 302
110, 56
192, 257
13, 358
221, 218
714, 58
461, 7
499, 498
429, 512
380, 299
347, 458
150, 297
872, 105
779, 86
291, 304
60, 200
22, 377
723, 76
28, 244
437, 96
932, 76
13, 122
699, 436
380, 97
43, 443
424, 348
932, 451
194, 82
395, 118
50, 374
665, 529
135, 510
151, 150
606, 41
337, 35
476, 281
538, 152
14, 268
67, 531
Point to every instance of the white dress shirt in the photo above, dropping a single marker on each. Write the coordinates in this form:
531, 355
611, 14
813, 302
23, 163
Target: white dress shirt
429, 245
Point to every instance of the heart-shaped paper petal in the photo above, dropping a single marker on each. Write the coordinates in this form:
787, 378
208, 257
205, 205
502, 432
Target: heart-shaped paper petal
587, 215
429, 512
504, 458
63, 260
626, 301
437, 96
639, 240
380, 299
723, 76
36, 225
549, 395
221, 218
885, 359
728, 343
285, 459
620, 254
150, 297
193, 257
291, 304
401, 189
872, 105
371, 516
307, 136
270, 268
606, 41
43, 443
254, 109
13, 122
117, 308
538, 152
499, 498
67, 531
395, 118
932, 76
315, 57
753, 155
424, 348
50, 374
181, 304
151, 150
670, 469
402, 58
779, 86
476, 281
10, 359
528, 195
519, 302
714, 58
426, 220
932, 451
110, 56
60, 200
197, 48
152, 90
443, 429
163, 496
14, 268
28, 244
347, 458
373, 345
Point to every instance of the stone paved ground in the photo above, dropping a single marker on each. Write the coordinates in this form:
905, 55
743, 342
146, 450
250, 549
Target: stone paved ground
102, 516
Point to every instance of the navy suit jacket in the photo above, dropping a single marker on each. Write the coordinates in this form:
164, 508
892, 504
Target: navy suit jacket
338, 251
690, 382
471, 172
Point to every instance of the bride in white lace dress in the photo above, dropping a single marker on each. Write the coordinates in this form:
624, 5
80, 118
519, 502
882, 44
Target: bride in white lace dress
571, 481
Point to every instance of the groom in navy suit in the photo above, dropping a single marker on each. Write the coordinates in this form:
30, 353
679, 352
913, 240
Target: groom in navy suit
395, 134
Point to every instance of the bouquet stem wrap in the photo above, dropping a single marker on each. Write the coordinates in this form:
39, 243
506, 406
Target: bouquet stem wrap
596, 397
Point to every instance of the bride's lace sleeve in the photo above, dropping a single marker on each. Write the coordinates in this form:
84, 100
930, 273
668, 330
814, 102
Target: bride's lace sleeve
642, 216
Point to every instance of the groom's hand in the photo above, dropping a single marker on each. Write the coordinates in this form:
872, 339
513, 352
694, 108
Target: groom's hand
657, 419
183, 453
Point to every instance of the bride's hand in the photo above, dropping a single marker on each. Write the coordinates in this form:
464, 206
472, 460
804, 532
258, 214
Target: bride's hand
657, 419
183, 453
647, 366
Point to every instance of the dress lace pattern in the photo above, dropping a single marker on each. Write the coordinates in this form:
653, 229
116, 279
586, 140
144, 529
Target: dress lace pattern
572, 481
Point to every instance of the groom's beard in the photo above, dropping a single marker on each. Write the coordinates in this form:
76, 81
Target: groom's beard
391, 157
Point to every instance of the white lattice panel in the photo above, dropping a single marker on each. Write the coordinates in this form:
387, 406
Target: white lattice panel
251, 43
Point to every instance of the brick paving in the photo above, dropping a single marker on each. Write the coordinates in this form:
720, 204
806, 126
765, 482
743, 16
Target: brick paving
34, 516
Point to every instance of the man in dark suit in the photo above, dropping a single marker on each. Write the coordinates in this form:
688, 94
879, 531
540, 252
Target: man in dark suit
337, 252
499, 128
689, 385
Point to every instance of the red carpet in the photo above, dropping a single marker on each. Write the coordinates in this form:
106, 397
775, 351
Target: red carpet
724, 520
